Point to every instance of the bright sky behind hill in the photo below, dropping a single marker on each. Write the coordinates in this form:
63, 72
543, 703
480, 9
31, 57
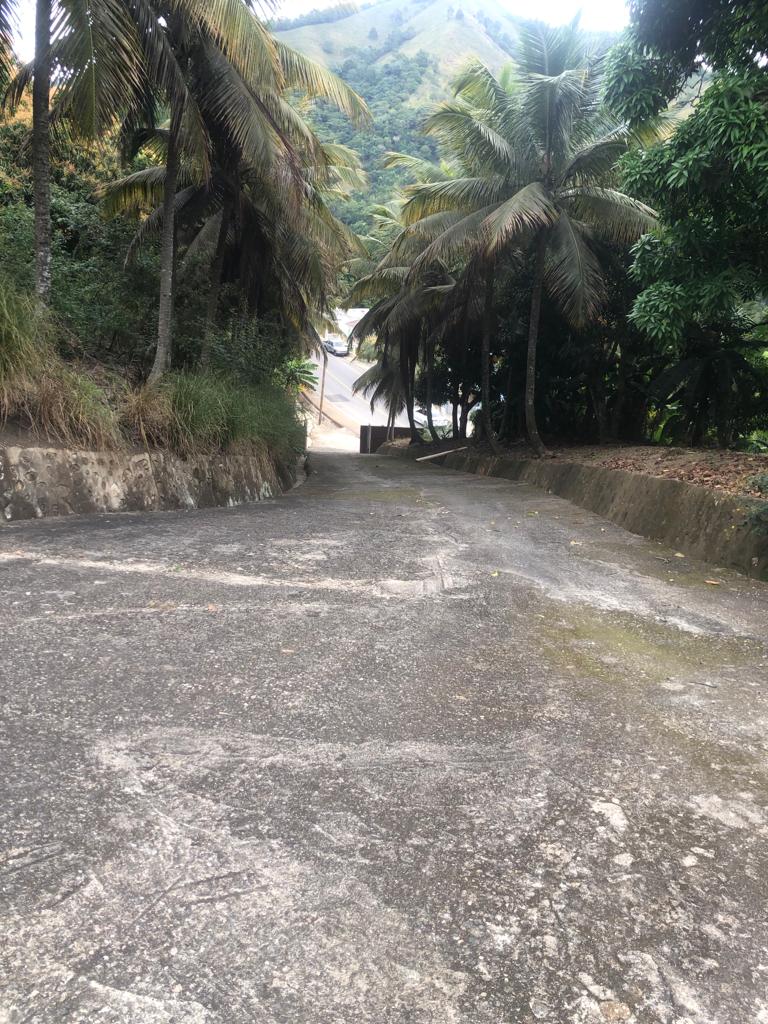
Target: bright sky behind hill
609, 15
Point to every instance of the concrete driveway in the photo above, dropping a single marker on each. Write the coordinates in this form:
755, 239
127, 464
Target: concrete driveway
402, 746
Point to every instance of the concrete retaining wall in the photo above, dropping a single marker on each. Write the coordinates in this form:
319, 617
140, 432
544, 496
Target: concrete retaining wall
36, 482
720, 529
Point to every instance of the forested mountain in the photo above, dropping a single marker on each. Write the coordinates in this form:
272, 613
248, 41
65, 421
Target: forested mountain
444, 30
399, 55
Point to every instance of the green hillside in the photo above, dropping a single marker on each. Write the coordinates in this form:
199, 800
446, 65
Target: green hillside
400, 56
443, 29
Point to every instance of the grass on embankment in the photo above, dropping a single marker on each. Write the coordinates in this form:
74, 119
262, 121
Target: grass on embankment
187, 413
204, 412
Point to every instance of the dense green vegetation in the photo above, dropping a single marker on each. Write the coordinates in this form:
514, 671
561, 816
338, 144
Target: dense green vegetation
387, 88
552, 249
588, 269
183, 261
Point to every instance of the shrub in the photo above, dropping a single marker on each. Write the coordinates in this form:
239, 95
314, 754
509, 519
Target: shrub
199, 402
188, 413
267, 415
249, 349
70, 407
296, 375
206, 412
148, 416
23, 344
366, 349
38, 389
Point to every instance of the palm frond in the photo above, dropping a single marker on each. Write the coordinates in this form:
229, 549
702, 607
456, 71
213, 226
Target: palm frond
572, 272
232, 103
152, 224
7, 19
482, 148
20, 79
477, 85
316, 81
137, 191
612, 215
528, 210
597, 158
240, 35
98, 44
463, 194
550, 104
381, 283
456, 240
420, 169
204, 240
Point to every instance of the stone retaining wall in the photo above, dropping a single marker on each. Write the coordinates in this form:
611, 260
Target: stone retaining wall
710, 525
36, 482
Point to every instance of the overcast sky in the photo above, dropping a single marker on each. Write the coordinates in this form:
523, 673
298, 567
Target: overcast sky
595, 14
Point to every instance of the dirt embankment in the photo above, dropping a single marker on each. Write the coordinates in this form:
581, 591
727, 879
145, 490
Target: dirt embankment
732, 472
737, 473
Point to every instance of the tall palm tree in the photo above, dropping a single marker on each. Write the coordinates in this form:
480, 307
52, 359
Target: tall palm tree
247, 105
202, 58
536, 151
95, 48
271, 227
41, 155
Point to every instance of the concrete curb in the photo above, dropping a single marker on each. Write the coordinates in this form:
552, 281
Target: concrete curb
715, 527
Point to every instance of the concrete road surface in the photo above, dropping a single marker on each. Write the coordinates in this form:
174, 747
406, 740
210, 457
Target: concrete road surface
402, 746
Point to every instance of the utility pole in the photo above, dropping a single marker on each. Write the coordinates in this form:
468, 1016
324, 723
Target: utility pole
322, 383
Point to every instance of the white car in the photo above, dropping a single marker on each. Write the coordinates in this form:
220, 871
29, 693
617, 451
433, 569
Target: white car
336, 345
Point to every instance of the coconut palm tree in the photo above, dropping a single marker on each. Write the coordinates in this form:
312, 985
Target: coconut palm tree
208, 61
250, 222
536, 151
94, 45
41, 156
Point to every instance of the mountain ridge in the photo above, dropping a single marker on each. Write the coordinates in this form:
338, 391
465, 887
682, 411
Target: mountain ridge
445, 30
401, 57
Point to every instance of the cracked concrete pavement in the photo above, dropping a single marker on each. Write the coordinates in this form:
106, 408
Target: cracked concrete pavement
403, 746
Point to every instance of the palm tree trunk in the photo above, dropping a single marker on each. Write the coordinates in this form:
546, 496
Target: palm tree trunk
455, 411
467, 405
217, 267
486, 361
463, 420
407, 378
461, 385
430, 358
596, 391
322, 383
533, 337
41, 149
167, 253
504, 428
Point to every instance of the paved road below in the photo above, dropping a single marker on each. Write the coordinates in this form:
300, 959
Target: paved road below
340, 376
402, 746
